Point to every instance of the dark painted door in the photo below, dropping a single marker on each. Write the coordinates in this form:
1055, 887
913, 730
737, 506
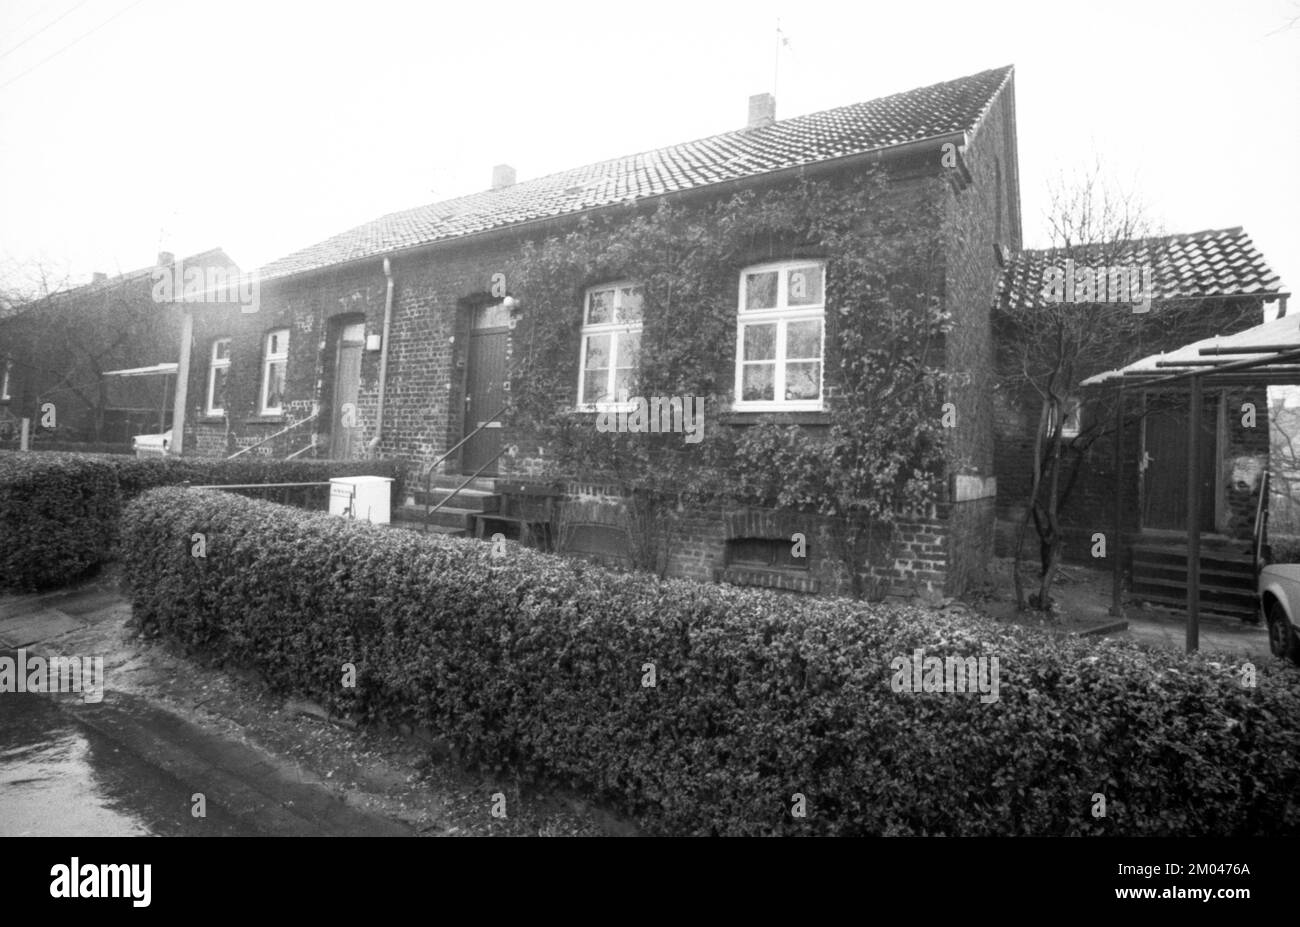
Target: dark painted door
1165, 483
345, 432
485, 388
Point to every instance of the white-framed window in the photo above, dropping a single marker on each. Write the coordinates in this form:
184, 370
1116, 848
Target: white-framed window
218, 376
275, 365
6, 370
780, 337
611, 345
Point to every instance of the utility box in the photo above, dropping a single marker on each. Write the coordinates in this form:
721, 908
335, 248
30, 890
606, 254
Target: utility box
366, 498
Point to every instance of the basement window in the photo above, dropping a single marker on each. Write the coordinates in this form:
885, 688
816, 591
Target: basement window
765, 554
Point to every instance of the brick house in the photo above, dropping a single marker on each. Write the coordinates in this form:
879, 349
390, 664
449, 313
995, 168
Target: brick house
56, 350
1221, 285
396, 338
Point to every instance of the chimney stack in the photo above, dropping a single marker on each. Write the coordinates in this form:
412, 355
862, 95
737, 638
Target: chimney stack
98, 277
762, 110
503, 175
166, 258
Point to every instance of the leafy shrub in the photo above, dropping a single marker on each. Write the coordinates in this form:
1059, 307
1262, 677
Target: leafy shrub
59, 512
537, 664
1284, 549
57, 516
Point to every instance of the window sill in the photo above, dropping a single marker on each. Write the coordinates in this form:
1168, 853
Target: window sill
276, 418
792, 580
785, 417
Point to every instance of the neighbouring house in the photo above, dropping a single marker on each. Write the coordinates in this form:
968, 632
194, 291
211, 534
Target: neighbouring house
55, 352
404, 336
1201, 286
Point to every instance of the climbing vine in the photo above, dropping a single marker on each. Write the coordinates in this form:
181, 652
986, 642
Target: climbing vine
874, 452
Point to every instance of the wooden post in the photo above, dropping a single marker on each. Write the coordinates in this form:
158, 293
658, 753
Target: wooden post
1194, 519
1116, 547
25, 435
180, 394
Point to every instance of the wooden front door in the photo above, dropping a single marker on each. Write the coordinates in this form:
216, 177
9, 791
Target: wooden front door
485, 387
345, 432
1165, 481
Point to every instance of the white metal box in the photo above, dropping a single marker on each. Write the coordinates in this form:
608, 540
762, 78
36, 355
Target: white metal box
368, 498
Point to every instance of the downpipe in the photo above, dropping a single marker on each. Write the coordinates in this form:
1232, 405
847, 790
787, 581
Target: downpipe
373, 446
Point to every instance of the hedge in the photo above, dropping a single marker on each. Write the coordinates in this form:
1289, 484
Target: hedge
538, 665
56, 517
59, 512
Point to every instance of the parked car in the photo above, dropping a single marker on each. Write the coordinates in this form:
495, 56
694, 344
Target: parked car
1279, 599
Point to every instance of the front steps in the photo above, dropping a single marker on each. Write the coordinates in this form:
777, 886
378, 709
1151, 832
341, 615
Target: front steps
1228, 580
454, 519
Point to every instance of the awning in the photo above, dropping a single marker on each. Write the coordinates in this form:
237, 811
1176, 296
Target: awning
155, 370
1265, 354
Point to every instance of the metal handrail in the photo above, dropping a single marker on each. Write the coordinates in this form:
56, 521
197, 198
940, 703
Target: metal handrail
300, 451
469, 479
282, 431
1261, 520
428, 471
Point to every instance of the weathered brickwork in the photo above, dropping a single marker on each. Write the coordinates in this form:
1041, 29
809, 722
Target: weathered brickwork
437, 288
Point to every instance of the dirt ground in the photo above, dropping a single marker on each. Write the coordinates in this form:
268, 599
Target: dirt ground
1082, 603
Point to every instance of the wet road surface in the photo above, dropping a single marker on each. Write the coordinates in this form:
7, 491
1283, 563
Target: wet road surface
59, 777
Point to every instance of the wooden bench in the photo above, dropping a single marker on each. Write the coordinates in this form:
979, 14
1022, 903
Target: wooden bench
533, 507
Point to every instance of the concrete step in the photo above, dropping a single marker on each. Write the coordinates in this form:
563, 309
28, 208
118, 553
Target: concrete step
1178, 587
1213, 573
450, 516
476, 500
449, 481
1208, 604
1168, 554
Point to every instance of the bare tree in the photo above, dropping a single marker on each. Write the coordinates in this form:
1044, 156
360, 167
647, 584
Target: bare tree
61, 342
1048, 346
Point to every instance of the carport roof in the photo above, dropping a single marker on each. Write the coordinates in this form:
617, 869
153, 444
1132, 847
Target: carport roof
1263, 355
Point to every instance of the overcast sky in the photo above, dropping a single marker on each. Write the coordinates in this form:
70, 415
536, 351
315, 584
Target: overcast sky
133, 126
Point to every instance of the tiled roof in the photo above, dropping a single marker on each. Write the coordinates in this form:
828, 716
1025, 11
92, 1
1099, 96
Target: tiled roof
1213, 263
199, 259
928, 112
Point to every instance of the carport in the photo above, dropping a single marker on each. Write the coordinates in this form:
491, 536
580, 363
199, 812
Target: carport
1262, 356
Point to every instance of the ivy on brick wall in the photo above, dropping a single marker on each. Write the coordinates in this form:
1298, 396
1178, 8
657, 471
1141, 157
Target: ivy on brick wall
877, 449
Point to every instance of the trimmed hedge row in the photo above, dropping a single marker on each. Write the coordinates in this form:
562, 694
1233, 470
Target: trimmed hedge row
56, 514
59, 512
539, 665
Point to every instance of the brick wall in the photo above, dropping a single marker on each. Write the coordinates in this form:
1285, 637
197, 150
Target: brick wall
435, 291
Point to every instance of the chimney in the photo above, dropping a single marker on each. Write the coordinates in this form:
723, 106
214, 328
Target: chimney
503, 175
762, 110
166, 258
98, 277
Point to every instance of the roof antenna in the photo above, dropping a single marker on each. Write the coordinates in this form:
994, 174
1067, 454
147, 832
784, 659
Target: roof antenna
781, 40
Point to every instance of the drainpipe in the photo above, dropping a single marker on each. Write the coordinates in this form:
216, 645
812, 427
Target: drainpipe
383, 357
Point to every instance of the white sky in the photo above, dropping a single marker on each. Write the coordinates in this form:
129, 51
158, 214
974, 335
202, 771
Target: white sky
263, 127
